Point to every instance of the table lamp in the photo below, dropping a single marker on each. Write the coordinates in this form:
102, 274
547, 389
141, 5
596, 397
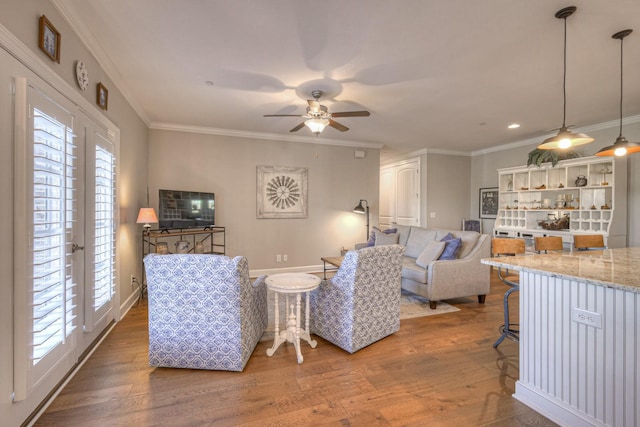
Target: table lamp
147, 216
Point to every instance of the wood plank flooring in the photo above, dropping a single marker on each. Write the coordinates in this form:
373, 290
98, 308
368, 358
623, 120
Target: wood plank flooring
437, 371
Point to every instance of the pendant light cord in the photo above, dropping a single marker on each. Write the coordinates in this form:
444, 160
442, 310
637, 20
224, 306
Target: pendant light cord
564, 78
621, 71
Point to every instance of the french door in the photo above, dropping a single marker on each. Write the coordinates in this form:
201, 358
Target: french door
64, 264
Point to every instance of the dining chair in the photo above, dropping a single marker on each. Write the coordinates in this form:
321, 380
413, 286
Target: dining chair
548, 243
503, 246
585, 242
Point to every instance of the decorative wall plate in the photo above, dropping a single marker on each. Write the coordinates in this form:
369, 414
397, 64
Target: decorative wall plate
82, 75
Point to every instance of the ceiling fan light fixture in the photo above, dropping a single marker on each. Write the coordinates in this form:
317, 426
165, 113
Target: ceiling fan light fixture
316, 125
621, 147
565, 138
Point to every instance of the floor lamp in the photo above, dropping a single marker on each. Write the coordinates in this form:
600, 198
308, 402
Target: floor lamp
363, 210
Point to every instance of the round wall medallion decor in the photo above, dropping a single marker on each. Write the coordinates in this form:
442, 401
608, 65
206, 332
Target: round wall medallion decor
283, 192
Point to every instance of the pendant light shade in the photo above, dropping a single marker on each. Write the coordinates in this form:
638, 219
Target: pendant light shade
621, 146
565, 138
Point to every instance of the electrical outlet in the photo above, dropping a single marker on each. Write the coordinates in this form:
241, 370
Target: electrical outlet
278, 258
284, 257
133, 281
587, 317
432, 215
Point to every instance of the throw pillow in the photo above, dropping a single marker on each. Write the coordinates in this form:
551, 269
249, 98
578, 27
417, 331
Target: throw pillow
449, 236
451, 249
430, 253
383, 238
372, 235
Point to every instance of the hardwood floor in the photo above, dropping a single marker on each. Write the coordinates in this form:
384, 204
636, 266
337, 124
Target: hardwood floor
438, 371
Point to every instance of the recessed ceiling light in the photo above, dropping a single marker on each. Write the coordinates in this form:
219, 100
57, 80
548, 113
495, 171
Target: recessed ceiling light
209, 83
513, 126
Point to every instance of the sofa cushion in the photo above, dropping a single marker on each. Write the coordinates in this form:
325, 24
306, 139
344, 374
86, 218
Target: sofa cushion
469, 240
419, 238
430, 253
403, 232
451, 249
410, 270
384, 238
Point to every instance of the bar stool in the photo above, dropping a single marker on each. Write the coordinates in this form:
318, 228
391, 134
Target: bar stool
584, 242
506, 247
548, 243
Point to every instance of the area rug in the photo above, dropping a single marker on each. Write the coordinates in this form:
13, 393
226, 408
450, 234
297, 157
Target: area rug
411, 306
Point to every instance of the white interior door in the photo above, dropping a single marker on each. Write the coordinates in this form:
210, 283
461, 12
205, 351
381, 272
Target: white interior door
400, 193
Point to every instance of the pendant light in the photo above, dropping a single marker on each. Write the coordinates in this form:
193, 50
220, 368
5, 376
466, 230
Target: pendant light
621, 147
565, 138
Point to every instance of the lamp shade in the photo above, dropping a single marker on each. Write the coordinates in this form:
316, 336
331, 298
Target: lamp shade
565, 139
147, 216
621, 147
316, 125
360, 209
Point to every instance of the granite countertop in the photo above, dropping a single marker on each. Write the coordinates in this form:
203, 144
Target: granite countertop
614, 268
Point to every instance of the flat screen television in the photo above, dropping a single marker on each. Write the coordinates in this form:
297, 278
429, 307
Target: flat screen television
186, 209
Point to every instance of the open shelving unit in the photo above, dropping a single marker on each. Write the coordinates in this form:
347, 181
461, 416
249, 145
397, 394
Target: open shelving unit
585, 190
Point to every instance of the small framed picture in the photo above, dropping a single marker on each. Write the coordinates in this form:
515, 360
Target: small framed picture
102, 96
489, 202
49, 39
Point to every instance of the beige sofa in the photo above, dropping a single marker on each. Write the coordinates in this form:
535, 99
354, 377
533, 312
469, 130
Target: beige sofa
444, 279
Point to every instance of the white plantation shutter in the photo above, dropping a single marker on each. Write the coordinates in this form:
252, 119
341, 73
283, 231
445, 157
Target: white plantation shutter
101, 230
46, 287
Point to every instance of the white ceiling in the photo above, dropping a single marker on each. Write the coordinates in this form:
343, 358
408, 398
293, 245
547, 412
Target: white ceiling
441, 75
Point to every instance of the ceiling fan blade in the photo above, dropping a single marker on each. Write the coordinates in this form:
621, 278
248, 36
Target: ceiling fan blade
351, 114
282, 115
313, 105
297, 128
338, 126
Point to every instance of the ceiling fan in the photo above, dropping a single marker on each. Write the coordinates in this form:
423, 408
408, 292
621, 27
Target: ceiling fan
318, 116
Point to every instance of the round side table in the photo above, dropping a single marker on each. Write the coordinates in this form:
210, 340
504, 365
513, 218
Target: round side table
291, 284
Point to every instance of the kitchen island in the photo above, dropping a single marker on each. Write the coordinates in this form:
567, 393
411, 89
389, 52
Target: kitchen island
579, 335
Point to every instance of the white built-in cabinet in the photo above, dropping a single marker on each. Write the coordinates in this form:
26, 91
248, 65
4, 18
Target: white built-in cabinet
400, 193
531, 195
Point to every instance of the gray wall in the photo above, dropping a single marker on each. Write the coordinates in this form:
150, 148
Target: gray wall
226, 166
447, 190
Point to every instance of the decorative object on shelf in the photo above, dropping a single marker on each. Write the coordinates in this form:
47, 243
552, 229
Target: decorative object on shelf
581, 181
621, 146
565, 138
182, 247
102, 96
510, 184
541, 187
281, 192
49, 39
538, 156
363, 210
555, 224
488, 202
162, 248
147, 216
82, 75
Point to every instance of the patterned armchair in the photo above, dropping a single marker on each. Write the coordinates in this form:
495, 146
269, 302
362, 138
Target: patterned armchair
203, 311
361, 303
